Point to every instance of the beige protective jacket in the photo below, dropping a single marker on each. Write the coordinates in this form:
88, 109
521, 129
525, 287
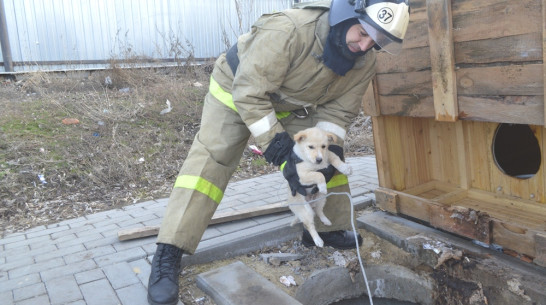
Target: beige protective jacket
281, 70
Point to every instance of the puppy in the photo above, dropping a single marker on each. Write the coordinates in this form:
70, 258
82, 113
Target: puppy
311, 146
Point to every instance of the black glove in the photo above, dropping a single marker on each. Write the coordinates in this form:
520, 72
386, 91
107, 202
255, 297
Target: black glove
329, 171
291, 175
278, 150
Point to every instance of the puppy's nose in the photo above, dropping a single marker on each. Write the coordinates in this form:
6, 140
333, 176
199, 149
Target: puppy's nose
319, 159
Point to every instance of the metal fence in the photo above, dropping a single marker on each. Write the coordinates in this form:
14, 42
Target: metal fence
88, 34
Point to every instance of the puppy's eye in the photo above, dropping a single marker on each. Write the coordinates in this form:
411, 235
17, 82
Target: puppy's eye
323, 146
311, 147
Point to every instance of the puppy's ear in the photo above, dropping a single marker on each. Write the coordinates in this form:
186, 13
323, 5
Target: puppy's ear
331, 137
300, 136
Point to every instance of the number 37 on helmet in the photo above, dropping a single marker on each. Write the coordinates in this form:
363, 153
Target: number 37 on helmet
386, 21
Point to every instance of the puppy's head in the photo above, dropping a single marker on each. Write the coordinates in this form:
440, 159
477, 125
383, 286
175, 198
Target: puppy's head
313, 144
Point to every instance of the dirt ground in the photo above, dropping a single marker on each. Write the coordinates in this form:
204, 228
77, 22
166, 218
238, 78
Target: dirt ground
373, 251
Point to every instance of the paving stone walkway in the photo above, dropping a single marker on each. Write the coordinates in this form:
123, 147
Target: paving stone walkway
81, 261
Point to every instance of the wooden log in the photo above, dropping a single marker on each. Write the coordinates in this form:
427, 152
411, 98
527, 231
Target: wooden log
219, 217
442, 60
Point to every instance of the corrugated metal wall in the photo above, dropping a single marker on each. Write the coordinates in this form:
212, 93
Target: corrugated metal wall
86, 34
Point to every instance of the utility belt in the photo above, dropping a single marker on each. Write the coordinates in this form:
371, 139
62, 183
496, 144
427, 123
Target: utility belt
233, 62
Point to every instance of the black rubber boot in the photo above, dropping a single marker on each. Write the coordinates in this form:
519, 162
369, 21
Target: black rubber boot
341, 240
163, 282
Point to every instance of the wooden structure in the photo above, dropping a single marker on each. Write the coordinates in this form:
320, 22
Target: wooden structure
467, 67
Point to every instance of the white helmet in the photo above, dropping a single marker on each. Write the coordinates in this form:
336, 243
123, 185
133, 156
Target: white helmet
386, 21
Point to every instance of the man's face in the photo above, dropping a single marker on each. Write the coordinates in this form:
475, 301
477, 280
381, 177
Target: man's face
357, 39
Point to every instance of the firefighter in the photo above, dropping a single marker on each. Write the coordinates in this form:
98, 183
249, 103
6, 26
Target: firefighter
303, 67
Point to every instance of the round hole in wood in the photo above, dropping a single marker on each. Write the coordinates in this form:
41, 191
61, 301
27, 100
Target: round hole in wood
516, 150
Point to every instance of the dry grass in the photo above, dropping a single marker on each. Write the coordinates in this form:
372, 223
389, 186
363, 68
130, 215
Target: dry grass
123, 150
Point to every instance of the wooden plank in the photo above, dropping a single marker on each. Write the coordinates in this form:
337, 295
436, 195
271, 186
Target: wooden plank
370, 104
507, 109
540, 249
442, 60
484, 19
462, 148
463, 221
506, 80
544, 54
513, 79
411, 83
407, 105
479, 137
219, 217
514, 237
381, 152
396, 153
386, 200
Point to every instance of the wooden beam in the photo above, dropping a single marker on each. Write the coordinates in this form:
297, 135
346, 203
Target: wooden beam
219, 217
544, 55
370, 101
442, 58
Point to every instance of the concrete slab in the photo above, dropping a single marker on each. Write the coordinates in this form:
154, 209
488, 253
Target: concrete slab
237, 284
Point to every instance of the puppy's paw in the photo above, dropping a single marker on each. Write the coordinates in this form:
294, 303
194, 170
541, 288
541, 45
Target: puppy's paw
325, 221
319, 242
322, 188
346, 169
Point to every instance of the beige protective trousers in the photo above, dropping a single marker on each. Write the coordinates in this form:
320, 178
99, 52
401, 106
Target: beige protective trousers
214, 156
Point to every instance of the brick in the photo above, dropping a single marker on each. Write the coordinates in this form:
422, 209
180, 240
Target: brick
29, 269
59, 253
135, 294
47, 231
11, 284
63, 290
6, 297
16, 262
89, 254
101, 242
134, 243
107, 296
67, 270
29, 291
123, 256
234, 226
37, 300
89, 276
120, 275
142, 269
12, 238
83, 228
26, 242
92, 236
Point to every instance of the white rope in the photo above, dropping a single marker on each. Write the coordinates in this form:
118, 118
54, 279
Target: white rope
354, 231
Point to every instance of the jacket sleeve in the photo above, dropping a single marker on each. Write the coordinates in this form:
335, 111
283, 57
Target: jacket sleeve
265, 55
336, 116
